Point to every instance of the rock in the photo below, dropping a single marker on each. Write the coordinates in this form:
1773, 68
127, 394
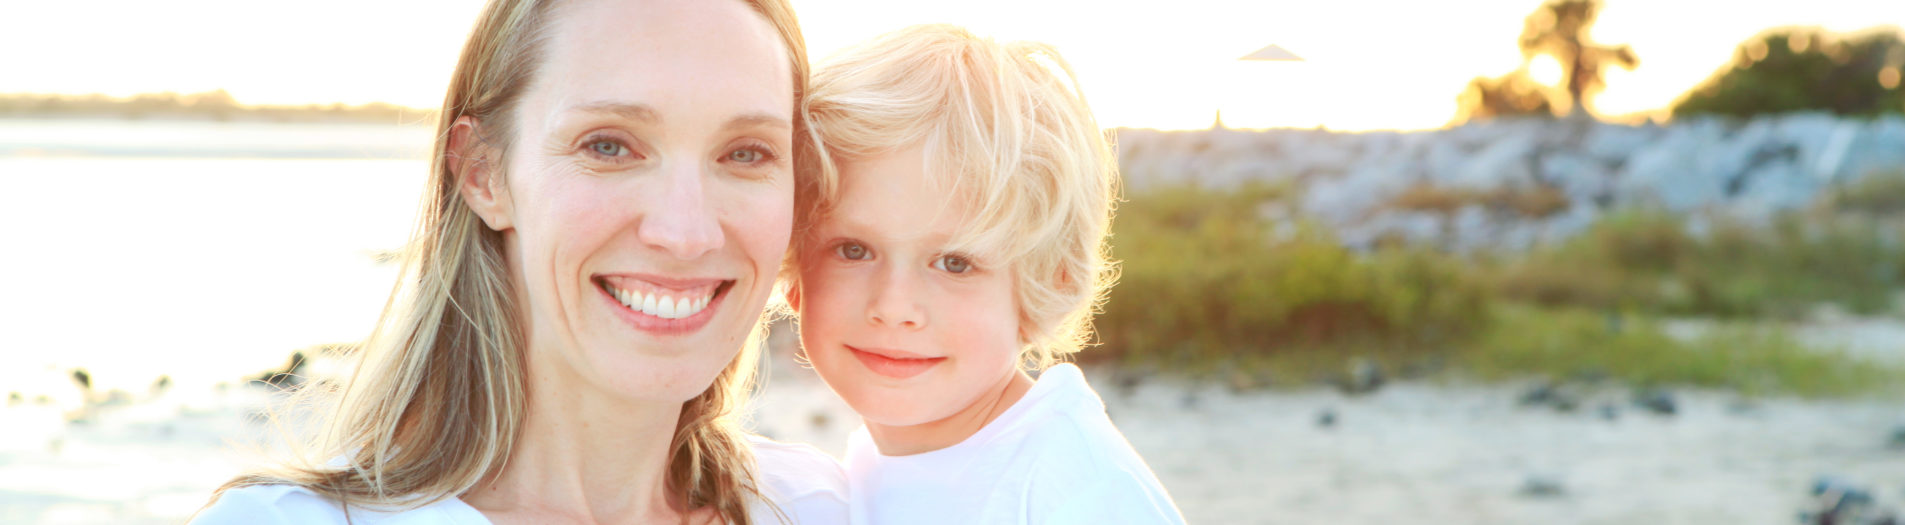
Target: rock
160, 385
1365, 376
818, 419
1537, 486
1610, 412
83, 379
1656, 401
1837, 502
1188, 401
1550, 394
1507, 160
1897, 441
1128, 382
1540, 394
1326, 418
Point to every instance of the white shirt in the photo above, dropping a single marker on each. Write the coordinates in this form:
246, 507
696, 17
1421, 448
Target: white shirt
806, 485
1052, 458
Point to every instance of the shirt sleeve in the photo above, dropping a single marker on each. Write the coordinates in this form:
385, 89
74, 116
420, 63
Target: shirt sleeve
1116, 500
240, 506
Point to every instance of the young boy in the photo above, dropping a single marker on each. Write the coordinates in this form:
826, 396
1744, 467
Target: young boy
954, 241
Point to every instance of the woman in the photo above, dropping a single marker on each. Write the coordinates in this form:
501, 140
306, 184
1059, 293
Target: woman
612, 199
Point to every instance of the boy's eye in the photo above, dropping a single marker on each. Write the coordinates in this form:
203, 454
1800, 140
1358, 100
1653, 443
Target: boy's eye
851, 251
952, 264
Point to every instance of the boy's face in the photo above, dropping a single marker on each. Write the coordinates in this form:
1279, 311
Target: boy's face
903, 330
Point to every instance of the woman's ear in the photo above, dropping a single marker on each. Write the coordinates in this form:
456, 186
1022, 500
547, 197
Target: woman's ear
475, 165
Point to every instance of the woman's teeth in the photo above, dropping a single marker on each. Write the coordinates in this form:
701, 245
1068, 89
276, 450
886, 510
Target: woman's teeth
664, 306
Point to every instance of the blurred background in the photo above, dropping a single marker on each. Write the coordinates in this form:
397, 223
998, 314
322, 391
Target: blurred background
1514, 261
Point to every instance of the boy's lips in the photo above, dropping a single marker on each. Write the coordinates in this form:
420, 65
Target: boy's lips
897, 364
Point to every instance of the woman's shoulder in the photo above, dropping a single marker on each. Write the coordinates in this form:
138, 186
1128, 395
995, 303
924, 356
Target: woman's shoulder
295, 505
279, 504
803, 483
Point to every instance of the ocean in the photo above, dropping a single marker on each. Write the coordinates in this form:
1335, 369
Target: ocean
199, 251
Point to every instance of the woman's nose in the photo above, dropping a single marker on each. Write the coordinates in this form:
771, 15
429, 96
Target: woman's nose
683, 222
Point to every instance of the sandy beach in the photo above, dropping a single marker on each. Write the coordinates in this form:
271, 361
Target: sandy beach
1440, 451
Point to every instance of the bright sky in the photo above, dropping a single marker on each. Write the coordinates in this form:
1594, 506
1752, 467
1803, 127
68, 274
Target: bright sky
1371, 64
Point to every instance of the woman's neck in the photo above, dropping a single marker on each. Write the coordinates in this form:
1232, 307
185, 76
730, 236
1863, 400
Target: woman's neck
928, 437
586, 456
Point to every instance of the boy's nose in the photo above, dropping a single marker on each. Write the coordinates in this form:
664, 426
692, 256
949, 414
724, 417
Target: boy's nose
894, 304
682, 222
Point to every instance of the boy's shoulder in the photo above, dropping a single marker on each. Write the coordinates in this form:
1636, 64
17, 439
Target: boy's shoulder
1064, 420
1081, 465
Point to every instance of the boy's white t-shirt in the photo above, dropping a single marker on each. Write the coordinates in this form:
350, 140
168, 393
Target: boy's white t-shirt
806, 485
1052, 458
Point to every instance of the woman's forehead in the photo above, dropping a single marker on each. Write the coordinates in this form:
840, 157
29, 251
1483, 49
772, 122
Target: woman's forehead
670, 56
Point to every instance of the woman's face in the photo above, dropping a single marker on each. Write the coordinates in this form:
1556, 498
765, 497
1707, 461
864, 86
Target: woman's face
650, 192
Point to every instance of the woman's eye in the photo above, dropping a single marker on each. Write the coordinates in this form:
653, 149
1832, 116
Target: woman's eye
746, 156
952, 264
608, 148
851, 251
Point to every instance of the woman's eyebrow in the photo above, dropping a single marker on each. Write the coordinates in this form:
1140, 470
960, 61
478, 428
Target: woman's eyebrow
625, 110
757, 120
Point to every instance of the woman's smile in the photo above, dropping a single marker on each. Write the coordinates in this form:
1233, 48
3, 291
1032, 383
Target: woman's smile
663, 306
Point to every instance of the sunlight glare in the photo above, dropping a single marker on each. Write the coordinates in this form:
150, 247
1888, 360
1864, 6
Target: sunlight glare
1546, 70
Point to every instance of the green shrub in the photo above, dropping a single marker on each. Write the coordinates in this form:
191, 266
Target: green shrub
1645, 261
1204, 278
1573, 343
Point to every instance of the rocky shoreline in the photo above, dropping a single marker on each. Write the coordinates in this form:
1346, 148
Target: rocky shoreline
1351, 182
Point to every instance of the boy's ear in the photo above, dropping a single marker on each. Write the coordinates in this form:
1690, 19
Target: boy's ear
793, 296
474, 165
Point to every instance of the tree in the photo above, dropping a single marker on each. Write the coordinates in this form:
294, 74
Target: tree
1806, 69
1507, 95
1559, 28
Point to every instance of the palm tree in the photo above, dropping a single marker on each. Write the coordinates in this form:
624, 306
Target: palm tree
1560, 29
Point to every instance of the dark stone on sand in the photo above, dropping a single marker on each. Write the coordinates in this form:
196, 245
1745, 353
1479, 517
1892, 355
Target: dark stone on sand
160, 385
1838, 502
1188, 402
1610, 412
83, 379
1657, 401
1547, 393
818, 419
1326, 418
1537, 486
1365, 376
1897, 441
1540, 394
1128, 382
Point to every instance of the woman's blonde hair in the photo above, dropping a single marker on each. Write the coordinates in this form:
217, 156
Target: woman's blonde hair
1005, 129
437, 401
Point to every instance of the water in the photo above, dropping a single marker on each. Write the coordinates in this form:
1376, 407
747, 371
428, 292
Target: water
202, 251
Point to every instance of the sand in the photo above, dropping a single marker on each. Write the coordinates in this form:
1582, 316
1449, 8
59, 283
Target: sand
1412, 452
